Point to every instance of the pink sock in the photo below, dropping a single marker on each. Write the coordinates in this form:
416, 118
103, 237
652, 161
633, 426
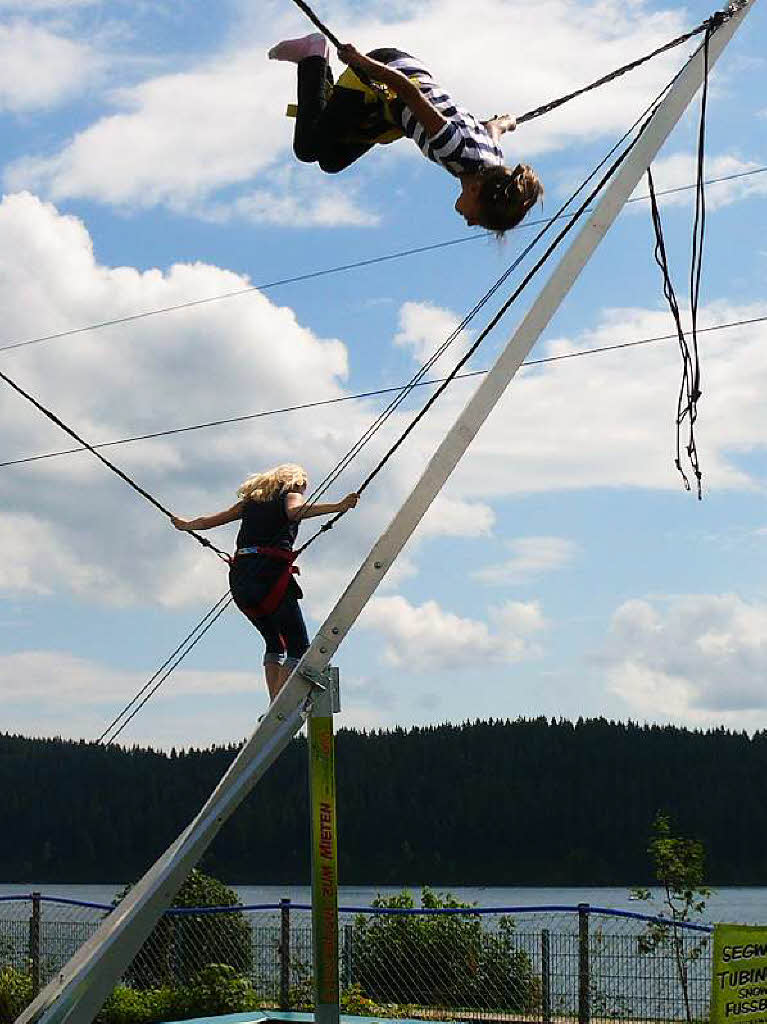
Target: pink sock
314, 45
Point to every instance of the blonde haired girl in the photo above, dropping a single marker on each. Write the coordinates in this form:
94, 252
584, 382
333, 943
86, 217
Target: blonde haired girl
271, 506
264, 486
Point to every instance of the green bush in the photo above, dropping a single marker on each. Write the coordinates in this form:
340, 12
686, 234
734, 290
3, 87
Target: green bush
180, 946
130, 1006
217, 989
445, 960
15, 993
357, 1004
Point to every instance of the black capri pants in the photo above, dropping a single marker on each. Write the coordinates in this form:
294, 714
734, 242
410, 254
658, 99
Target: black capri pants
284, 630
327, 117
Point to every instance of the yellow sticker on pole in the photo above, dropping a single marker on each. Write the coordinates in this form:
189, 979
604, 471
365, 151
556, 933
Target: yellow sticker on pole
324, 858
739, 982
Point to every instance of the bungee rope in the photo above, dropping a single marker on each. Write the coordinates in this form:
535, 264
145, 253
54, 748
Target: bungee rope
689, 390
641, 121
418, 376
377, 392
711, 23
340, 268
714, 21
110, 465
184, 647
316, 21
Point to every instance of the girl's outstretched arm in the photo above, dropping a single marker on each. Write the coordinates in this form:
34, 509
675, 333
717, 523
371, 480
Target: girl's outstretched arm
400, 84
296, 506
208, 522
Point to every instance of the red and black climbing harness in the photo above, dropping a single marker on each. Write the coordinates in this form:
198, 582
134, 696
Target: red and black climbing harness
270, 602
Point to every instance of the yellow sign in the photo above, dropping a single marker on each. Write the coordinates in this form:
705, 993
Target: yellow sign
322, 780
739, 983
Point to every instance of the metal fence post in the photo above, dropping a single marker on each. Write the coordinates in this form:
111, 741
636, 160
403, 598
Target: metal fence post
174, 951
546, 975
34, 941
348, 954
584, 1010
284, 951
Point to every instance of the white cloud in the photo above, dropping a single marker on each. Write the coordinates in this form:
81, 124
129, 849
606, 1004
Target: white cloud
40, 69
423, 327
425, 637
71, 526
175, 138
608, 420
34, 556
28, 6
69, 679
680, 169
164, 371
452, 517
55, 692
566, 45
699, 659
568, 425
178, 138
531, 557
297, 204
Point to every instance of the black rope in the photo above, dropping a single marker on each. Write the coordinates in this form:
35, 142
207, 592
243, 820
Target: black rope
201, 629
430, 382
414, 382
716, 19
709, 26
504, 308
713, 22
417, 377
689, 390
313, 18
328, 271
110, 465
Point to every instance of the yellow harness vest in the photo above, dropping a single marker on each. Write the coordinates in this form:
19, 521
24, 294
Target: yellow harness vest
379, 124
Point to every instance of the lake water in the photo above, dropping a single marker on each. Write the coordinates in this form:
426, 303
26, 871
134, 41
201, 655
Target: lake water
745, 905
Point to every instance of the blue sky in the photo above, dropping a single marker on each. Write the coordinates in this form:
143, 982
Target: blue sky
147, 162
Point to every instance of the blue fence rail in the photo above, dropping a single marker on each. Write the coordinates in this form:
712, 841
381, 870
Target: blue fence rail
524, 963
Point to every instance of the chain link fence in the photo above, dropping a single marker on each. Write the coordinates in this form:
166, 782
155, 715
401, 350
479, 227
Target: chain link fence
536, 964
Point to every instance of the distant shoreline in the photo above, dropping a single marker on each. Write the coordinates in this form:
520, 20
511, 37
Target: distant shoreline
744, 904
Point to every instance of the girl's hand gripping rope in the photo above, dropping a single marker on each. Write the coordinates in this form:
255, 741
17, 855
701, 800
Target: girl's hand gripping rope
499, 124
350, 55
350, 501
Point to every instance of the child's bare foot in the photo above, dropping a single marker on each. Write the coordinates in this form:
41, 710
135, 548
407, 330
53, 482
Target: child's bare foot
295, 50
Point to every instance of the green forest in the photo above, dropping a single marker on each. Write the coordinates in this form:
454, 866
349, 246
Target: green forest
484, 803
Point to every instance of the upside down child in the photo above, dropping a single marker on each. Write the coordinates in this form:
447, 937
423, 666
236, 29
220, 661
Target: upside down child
338, 122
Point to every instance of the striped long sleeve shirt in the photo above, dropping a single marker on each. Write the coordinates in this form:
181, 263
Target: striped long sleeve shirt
463, 145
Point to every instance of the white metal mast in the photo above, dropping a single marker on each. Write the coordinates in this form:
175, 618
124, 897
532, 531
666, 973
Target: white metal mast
76, 994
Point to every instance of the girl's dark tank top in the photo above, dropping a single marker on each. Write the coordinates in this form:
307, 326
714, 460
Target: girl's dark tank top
267, 523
